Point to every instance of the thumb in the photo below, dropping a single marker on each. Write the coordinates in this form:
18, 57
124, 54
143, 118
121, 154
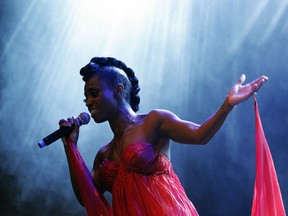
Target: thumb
241, 79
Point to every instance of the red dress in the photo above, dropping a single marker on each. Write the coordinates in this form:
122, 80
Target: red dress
144, 183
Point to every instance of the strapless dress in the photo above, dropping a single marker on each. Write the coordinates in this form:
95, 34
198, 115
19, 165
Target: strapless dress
144, 183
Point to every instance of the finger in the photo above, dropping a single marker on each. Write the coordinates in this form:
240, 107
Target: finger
256, 84
61, 121
254, 87
71, 120
64, 123
259, 80
74, 121
262, 79
77, 122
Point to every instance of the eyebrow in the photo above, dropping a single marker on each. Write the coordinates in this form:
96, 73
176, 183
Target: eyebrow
92, 88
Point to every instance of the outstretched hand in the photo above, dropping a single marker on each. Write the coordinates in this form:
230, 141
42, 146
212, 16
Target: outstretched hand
240, 93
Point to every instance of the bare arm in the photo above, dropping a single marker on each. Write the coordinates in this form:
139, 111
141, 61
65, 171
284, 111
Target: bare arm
191, 133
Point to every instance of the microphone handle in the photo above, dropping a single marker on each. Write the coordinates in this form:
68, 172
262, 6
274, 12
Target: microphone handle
56, 135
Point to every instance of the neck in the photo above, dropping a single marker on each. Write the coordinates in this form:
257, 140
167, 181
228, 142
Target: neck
125, 117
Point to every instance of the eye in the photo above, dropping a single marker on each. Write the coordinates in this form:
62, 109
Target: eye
94, 93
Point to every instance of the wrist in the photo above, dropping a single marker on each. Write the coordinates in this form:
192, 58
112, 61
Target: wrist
227, 106
69, 142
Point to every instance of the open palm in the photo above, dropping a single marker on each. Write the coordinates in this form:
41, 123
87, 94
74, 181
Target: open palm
240, 93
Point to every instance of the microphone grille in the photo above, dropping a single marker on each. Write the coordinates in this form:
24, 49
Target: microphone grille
85, 118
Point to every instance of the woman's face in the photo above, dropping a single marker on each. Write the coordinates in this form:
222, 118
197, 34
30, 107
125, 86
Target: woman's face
100, 99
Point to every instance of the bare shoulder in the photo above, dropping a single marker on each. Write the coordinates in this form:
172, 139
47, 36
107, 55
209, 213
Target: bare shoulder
161, 115
100, 155
157, 118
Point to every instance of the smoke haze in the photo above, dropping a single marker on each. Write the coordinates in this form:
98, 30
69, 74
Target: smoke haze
186, 54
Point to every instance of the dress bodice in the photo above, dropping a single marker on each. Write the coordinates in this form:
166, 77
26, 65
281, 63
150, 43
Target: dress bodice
140, 158
144, 183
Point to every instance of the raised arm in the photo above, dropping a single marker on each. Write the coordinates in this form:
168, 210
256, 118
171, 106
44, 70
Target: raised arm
191, 133
81, 178
72, 139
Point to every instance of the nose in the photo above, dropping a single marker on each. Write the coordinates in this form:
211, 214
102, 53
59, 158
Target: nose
87, 101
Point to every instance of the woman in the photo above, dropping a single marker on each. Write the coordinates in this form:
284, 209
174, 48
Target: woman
134, 166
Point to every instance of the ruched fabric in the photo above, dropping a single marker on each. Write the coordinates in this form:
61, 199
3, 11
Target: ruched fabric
144, 183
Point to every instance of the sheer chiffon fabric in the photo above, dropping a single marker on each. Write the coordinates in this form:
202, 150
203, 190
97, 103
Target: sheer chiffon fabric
267, 199
144, 183
95, 203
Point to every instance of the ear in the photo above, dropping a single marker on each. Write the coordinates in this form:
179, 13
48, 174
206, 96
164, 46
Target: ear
119, 89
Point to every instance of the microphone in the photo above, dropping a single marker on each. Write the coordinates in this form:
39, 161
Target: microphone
82, 119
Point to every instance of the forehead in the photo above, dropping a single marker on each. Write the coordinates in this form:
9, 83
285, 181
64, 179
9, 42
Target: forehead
95, 82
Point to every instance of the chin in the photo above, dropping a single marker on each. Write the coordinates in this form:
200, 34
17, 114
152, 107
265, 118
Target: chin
98, 120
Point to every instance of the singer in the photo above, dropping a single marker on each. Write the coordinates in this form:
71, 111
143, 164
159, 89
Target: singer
135, 165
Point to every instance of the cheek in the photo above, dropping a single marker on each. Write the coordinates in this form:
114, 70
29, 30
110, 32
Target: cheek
108, 105
110, 100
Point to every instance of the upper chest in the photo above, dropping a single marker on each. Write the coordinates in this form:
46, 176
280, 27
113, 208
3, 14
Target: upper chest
144, 130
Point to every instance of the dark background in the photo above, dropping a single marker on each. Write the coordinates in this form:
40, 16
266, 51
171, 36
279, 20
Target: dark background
186, 54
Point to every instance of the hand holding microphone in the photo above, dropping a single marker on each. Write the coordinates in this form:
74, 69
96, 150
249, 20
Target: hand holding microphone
66, 127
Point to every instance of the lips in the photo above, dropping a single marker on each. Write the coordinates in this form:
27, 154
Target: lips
93, 111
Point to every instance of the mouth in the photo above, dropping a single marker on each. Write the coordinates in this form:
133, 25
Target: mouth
93, 111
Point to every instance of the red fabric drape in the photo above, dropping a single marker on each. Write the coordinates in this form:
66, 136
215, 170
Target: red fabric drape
267, 200
94, 203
